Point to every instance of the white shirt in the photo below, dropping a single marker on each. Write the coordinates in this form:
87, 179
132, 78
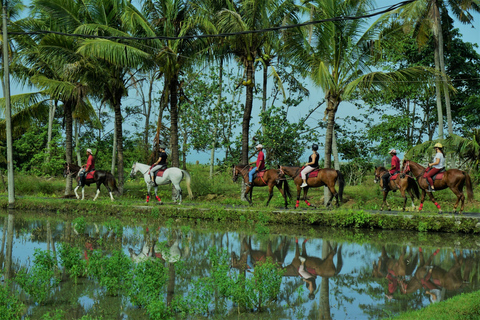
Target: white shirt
441, 164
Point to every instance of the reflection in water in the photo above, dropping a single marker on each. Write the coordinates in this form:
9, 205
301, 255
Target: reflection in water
322, 278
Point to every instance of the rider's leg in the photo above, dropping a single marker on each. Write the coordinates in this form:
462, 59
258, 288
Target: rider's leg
385, 178
429, 175
250, 175
303, 173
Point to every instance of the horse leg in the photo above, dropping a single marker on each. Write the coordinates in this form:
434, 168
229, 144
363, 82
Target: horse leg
76, 194
334, 195
279, 187
299, 190
108, 189
97, 194
305, 193
420, 207
404, 198
270, 193
178, 198
248, 194
435, 202
460, 197
157, 197
83, 192
149, 187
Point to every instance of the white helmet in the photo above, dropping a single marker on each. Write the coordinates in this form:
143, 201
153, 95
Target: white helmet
259, 146
89, 150
393, 151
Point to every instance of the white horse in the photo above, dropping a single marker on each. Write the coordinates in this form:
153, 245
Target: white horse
171, 175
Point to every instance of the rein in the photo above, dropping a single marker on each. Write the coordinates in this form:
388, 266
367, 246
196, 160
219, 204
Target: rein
407, 169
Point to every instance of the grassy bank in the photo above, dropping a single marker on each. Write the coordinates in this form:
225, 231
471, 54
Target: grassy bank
218, 199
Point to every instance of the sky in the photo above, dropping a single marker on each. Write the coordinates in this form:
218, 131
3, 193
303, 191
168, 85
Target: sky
470, 34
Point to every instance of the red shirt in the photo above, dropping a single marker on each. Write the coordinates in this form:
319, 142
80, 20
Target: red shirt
395, 164
90, 163
260, 161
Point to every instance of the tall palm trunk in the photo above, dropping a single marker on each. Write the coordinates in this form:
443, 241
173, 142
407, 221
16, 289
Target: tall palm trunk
146, 137
438, 78
77, 144
117, 107
439, 48
173, 86
68, 140
247, 113
51, 116
217, 111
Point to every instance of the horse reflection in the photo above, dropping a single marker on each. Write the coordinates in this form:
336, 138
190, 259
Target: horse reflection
388, 265
170, 252
431, 277
309, 267
249, 257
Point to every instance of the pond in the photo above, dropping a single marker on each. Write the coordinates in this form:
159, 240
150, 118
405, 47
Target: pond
214, 270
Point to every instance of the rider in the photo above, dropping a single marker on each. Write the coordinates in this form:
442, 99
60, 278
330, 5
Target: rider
308, 278
86, 168
259, 164
395, 167
161, 163
436, 166
311, 165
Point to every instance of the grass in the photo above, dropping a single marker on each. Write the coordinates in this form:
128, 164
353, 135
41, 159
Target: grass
461, 307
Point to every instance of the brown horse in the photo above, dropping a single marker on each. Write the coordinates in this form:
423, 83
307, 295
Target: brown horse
453, 178
401, 267
249, 257
325, 177
402, 182
270, 178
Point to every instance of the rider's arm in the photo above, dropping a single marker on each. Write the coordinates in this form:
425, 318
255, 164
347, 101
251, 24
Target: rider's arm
437, 161
313, 160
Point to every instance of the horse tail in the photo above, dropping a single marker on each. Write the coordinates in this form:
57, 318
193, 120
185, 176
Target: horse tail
341, 185
468, 182
286, 189
113, 183
414, 186
188, 179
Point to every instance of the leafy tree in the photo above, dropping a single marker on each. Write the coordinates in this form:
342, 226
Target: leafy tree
426, 17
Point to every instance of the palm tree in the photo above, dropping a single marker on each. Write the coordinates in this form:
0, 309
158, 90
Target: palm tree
174, 18
244, 16
425, 16
338, 57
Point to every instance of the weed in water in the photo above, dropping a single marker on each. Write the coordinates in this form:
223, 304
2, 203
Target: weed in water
10, 306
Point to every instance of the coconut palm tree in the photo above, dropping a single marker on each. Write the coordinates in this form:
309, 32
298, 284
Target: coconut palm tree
245, 15
338, 57
425, 17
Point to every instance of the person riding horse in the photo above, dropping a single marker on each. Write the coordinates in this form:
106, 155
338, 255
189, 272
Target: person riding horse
89, 167
259, 164
436, 166
311, 165
395, 167
160, 164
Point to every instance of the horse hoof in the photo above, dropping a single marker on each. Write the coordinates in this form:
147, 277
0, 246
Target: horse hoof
440, 211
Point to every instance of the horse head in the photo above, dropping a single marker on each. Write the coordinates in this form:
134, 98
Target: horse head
66, 170
236, 172
378, 173
406, 166
134, 170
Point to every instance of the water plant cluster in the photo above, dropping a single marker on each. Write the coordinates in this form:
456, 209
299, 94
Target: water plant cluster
145, 284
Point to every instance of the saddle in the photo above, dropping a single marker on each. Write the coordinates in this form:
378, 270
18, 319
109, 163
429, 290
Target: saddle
159, 173
394, 176
313, 174
258, 174
438, 176
90, 175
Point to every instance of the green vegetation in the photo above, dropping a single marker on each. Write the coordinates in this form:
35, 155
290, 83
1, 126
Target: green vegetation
461, 307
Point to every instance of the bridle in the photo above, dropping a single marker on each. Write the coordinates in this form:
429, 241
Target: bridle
236, 172
407, 169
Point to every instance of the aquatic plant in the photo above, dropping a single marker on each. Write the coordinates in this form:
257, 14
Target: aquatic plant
41, 279
11, 308
72, 261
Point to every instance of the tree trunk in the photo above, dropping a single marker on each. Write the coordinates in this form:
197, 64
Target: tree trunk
438, 78
114, 149
51, 116
173, 87
68, 141
331, 110
217, 111
247, 113
439, 47
77, 144
336, 158
119, 134
147, 115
